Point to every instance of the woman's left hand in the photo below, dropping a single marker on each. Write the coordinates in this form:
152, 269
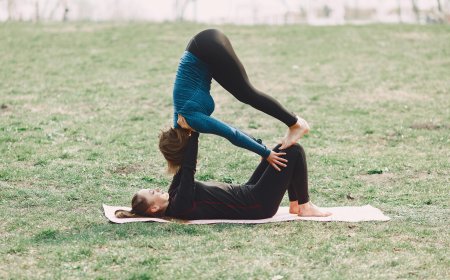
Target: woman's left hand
182, 122
276, 160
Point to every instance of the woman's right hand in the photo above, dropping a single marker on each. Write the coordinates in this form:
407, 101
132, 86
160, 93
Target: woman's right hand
276, 160
182, 122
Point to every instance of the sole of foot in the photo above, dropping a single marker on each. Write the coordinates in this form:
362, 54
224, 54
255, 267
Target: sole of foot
295, 132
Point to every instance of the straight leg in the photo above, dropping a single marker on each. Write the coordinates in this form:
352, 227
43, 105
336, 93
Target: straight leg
213, 47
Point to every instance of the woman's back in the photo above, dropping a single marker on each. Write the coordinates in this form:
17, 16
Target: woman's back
213, 200
191, 92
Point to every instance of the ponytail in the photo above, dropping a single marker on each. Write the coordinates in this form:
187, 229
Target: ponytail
125, 214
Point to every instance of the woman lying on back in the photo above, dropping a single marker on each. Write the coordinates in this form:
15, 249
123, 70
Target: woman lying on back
259, 198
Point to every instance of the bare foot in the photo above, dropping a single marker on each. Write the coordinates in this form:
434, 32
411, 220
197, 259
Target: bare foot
293, 207
310, 210
294, 133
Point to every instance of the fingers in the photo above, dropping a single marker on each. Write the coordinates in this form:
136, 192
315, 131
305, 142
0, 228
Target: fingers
181, 121
277, 157
183, 124
275, 166
279, 163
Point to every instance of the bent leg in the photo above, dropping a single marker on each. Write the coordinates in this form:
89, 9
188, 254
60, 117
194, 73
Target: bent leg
292, 193
257, 174
260, 169
299, 181
271, 186
214, 48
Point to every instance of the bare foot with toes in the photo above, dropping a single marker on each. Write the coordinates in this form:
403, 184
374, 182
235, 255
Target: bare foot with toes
310, 210
294, 133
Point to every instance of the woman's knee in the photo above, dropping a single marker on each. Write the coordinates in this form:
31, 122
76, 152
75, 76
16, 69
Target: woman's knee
296, 149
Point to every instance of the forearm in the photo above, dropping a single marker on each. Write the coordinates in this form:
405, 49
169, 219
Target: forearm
208, 124
175, 182
245, 141
187, 172
191, 152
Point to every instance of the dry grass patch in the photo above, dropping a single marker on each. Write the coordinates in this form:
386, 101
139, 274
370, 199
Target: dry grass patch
377, 179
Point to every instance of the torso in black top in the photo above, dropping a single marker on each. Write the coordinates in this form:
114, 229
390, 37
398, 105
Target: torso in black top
190, 199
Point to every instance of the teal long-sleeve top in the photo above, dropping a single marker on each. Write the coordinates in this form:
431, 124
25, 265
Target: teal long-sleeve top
192, 100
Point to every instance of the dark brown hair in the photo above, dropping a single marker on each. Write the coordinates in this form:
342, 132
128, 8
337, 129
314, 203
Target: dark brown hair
139, 207
172, 143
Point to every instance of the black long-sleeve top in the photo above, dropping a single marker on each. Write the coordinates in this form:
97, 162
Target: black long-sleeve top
190, 199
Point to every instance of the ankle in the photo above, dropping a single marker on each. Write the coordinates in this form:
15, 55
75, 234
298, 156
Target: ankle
305, 205
293, 207
293, 203
296, 125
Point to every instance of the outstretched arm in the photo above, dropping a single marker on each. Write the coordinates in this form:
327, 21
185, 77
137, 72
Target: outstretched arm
185, 195
207, 124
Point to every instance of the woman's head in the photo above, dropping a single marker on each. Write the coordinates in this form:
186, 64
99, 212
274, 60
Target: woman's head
172, 144
146, 202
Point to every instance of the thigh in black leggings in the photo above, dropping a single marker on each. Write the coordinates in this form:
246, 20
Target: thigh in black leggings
270, 185
213, 47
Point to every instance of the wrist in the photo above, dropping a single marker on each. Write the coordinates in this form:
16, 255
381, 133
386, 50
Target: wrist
267, 153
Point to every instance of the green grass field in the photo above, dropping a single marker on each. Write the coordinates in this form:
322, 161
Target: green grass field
82, 106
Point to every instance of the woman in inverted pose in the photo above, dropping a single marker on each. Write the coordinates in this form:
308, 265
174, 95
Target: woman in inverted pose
259, 198
209, 55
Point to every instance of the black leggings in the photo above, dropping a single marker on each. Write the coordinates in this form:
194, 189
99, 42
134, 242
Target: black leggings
213, 47
269, 185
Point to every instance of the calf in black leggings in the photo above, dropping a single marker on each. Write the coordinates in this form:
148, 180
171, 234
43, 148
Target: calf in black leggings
259, 198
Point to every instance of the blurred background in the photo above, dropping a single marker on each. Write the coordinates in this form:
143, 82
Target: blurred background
279, 12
